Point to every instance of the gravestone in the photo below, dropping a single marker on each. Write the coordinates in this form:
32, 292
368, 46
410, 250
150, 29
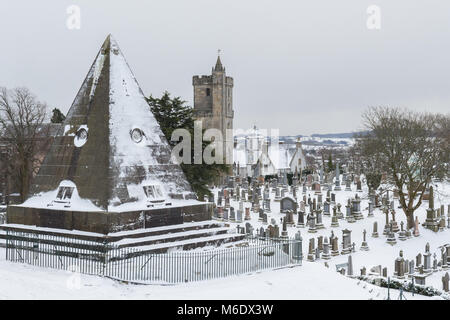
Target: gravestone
334, 219
326, 250
248, 228
445, 281
286, 204
364, 245
301, 219
334, 246
311, 250
337, 182
247, 213
346, 241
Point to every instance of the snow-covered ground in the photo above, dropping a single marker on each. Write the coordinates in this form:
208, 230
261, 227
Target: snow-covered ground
380, 253
312, 280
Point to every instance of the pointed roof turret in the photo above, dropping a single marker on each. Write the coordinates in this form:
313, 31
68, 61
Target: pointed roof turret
219, 66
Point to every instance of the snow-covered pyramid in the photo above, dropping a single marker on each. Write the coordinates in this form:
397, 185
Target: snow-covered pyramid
110, 154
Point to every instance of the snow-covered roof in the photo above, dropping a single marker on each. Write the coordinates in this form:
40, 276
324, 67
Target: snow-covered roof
281, 155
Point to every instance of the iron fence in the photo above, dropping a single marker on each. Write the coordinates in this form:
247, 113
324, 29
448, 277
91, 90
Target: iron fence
136, 264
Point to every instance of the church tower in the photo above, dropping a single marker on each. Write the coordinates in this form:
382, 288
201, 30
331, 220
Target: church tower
213, 104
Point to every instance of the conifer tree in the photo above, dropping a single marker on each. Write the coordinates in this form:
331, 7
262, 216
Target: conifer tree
171, 114
58, 116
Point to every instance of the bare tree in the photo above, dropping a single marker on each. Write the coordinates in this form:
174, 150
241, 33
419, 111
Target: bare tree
21, 123
409, 147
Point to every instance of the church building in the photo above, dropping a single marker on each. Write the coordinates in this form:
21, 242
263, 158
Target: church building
213, 105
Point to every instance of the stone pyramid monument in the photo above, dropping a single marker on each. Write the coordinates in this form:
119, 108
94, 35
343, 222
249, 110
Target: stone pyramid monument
110, 166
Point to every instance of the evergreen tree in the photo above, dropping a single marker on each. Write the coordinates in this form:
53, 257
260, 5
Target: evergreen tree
58, 116
171, 114
330, 163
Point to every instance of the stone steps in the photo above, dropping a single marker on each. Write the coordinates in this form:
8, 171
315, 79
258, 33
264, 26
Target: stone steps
214, 240
171, 237
158, 239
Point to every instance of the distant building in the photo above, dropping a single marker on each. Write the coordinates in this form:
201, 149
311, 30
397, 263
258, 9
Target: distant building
256, 155
213, 103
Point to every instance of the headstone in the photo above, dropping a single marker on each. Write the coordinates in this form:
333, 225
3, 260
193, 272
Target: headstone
334, 246
358, 186
320, 243
248, 228
337, 182
363, 271
286, 204
346, 241
427, 259
239, 216
311, 251
311, 219
431, 221
375, 230
297, 248
247, 213
326, 250
334, 219
416, 232
399, 269
370, 208
319, 222
391, 236
350, 266
290, 217
264, 218
232, 215
364, 245
445, 281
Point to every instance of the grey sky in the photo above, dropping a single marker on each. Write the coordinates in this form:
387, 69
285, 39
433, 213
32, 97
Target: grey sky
301, 66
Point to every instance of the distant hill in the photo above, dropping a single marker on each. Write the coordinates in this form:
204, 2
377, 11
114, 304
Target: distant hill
337, 135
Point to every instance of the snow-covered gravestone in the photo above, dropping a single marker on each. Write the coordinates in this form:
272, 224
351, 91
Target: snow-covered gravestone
346, 241
301, 219
427, 259
297, 248
370, 208
364, 245
445, 282
239, 216
350, 266
399, 271
311, 250
287, 204
326, 249
391, 236
337, 182
375, 230
248, 228
334, 219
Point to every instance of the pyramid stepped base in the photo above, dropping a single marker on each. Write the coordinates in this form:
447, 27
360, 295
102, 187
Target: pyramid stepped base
214, 240
151, 240
108, 222
184, 236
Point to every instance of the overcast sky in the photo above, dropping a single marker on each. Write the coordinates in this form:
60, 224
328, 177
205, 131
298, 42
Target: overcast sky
301, 66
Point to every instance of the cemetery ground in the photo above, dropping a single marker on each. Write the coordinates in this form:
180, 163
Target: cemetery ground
312, 280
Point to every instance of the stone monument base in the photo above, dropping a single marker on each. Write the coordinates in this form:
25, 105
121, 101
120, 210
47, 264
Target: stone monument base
107, 222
